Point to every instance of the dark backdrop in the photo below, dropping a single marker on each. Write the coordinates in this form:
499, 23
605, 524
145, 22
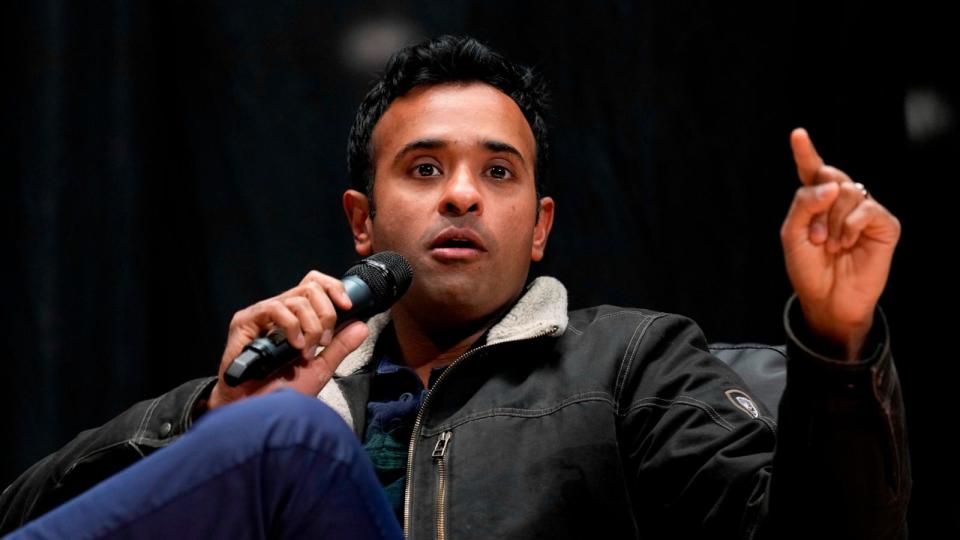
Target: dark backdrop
168, 163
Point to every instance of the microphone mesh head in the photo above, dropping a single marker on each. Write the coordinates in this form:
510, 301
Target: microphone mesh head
387, 274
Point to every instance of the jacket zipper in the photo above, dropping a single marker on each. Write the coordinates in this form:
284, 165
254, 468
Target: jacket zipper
438, 453
423, 407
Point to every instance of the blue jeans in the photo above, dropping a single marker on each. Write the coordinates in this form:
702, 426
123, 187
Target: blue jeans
282, 465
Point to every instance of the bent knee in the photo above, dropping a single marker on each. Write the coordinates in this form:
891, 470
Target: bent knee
286, 418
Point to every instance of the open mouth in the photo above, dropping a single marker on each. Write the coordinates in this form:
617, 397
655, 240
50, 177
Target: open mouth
457, 243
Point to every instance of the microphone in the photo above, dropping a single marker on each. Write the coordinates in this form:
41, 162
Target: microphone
373, 285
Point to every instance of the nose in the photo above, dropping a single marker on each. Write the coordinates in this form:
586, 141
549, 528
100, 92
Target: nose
461, 194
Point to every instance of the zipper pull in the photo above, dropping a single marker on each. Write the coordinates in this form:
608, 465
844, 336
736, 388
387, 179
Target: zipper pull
441, 446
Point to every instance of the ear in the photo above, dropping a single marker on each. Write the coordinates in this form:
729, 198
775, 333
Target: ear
357, 208
541, 230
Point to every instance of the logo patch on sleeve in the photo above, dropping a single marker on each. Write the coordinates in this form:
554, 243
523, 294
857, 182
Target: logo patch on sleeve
743, 402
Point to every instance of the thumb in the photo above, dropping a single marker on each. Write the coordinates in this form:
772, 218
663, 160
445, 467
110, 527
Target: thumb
344, 342
808, 203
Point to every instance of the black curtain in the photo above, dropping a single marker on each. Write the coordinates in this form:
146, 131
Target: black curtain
168, 163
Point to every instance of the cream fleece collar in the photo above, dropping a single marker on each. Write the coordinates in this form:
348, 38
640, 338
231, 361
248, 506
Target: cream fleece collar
542, 310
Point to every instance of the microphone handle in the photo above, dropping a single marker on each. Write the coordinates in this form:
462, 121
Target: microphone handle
266, 354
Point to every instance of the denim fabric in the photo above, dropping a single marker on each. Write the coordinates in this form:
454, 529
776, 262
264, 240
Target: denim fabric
278, 466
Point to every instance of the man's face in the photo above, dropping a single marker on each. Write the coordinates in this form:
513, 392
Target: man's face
455, 194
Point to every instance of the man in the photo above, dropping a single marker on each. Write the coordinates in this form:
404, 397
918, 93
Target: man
486, 408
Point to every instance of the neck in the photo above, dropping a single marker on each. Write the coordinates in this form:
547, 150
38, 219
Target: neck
423, 348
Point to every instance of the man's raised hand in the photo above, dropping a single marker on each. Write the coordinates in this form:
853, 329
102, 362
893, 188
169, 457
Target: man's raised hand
838, 245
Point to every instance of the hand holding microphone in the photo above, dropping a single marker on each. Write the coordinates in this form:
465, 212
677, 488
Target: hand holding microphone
321, 310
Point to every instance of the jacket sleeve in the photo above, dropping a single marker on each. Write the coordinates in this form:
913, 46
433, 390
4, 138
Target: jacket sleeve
842, 458
95, 454
704, 459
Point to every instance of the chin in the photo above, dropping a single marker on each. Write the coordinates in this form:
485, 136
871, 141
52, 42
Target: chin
452, 302
460, 295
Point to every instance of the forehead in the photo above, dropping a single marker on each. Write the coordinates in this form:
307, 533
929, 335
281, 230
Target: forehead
467, 114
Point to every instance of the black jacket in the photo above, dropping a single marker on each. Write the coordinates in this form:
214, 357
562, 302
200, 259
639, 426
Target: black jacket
601, 422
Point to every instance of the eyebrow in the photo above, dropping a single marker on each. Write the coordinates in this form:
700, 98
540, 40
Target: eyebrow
498, 146
430, 144
416, 145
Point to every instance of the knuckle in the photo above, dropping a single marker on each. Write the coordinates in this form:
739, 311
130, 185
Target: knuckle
313, 290
256, 310
277, 311
850, 189
315, 276
328, 319
309, 327
329, 283
294, 302
828, 172
311, 276
834, 174
896, 224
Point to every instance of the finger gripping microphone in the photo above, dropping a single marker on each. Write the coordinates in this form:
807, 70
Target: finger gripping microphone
373, 285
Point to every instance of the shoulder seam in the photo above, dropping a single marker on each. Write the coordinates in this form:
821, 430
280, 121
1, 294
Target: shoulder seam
626, 361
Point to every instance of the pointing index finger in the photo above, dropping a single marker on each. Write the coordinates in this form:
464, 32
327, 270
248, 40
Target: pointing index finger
805, 155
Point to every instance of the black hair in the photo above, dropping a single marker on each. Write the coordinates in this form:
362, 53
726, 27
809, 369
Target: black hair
446, 59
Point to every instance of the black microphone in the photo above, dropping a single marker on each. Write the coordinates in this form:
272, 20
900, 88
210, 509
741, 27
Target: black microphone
372, 284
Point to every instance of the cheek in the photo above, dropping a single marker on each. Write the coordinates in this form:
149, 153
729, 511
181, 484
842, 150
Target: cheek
405, 204
393, 230
518, 228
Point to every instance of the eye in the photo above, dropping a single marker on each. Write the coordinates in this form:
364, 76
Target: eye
426, 169
499, 172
